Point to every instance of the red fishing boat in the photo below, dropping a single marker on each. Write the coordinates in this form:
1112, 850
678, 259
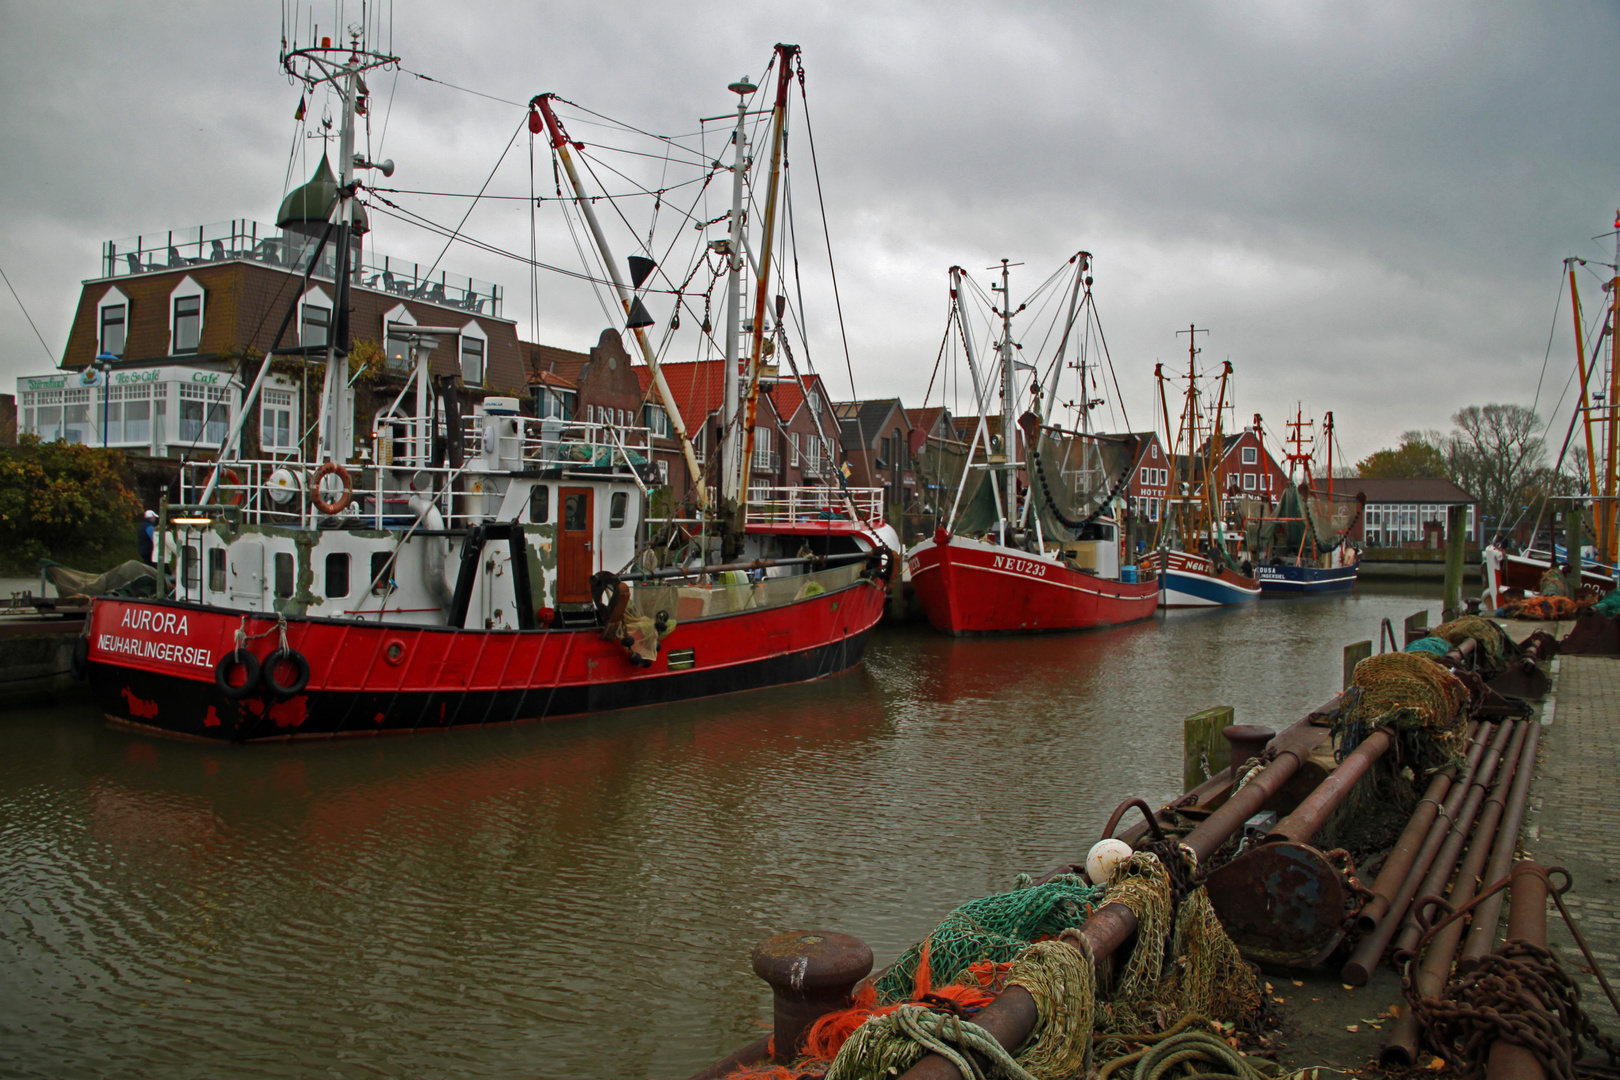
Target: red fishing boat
1052, 562
478, 566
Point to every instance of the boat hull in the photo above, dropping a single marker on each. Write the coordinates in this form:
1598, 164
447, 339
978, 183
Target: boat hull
1304, 580
969, 587
1190, 581
152, 664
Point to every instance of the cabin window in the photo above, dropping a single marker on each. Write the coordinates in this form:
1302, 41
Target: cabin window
189, 563
1250, 455
382, 572
275, 421
617, 509
187, 323
284, 574
216, 570
574, 512
337, 574
113, 318
540, 504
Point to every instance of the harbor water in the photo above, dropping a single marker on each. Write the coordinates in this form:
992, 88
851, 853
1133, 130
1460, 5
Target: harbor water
579, 899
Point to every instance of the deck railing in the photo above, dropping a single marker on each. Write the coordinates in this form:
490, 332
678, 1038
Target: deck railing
804, 503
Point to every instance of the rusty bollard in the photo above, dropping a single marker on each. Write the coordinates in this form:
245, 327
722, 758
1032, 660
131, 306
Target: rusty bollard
811, 973
1247, 742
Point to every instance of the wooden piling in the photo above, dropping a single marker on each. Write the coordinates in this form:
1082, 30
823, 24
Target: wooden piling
1205, 750
1354, 653
1574, 539
1456, 537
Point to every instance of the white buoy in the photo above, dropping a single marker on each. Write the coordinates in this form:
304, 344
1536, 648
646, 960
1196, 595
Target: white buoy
1103, 857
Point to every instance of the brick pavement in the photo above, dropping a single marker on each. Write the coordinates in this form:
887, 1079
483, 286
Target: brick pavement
1574, 815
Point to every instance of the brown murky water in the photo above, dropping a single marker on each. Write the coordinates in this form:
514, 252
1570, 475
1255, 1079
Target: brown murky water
579, 900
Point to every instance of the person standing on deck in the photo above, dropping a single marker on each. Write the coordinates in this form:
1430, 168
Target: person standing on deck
145, 537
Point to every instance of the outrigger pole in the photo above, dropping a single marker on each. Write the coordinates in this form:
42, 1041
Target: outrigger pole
560, 144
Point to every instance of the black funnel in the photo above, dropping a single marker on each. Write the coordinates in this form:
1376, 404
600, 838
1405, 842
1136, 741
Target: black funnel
640, 269
638, 315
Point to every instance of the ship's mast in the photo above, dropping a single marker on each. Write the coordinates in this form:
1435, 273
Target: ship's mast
1008, 401
731, 469
1189, 430
784, 74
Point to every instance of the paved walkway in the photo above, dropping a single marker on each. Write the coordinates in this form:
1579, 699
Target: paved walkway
1574, 817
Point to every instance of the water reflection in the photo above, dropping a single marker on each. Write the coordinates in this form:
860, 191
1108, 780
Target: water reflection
578, 900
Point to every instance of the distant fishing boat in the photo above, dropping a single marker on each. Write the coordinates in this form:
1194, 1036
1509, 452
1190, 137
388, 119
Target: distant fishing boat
1191, 556
998, 565
1302, 544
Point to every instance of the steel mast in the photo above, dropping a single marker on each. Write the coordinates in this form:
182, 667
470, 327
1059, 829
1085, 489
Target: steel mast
730, 465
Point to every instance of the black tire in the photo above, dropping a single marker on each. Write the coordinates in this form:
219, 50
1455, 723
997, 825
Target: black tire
250, 669
79, 664
300, 665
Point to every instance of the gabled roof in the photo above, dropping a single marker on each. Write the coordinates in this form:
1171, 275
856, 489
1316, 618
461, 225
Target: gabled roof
541, 360
699, 390
1400, 489
864, 422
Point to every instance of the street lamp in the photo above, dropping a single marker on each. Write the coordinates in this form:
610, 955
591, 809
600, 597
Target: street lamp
105, 367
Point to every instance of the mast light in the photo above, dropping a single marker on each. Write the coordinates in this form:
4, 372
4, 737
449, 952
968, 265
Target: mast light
743, 87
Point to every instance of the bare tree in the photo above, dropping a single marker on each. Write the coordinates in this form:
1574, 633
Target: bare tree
1497, 454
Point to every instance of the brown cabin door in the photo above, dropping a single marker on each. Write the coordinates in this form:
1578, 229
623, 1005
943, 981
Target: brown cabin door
574, 555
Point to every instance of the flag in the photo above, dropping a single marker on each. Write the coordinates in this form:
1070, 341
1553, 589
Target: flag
299, 115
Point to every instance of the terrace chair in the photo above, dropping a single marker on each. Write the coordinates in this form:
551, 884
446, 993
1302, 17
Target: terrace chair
134, 261
217, 253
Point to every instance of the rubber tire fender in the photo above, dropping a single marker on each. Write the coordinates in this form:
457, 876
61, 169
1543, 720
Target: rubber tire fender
285, 656
79, 662
222, 670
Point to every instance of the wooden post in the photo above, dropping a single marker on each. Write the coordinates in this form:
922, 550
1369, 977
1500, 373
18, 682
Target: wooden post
1574, 537
1354, 653
1456, 536
1417, 626
1206, 751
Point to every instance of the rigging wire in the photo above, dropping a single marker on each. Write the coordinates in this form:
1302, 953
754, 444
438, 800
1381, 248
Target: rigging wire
27, 316
476, 93
521, 126
815, 169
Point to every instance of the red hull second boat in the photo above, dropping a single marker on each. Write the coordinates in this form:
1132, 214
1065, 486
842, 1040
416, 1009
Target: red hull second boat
970, 587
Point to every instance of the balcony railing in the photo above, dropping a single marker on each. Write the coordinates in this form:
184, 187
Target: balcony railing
199, 245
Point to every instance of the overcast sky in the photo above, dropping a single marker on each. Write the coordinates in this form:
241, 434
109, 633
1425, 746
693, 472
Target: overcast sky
1368, 204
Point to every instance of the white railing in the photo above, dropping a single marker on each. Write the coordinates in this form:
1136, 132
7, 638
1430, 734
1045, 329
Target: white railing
801, 503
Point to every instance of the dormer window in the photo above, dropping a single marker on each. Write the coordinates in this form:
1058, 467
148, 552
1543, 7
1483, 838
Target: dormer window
315, 319
474, 346
112, 316
185, 317
397, 346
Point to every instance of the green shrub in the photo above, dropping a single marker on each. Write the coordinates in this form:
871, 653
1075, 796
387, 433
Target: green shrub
64, 500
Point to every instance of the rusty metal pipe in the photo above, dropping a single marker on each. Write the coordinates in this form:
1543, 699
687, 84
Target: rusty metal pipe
1216, 829
1482, 924
1302, 734
1360, 966
1527, 921
1313, 810
1012, 1016
1434, 883
1436, 966
1398, 863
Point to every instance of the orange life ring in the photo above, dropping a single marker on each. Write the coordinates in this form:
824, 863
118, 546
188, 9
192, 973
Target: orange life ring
230, 476
331, 468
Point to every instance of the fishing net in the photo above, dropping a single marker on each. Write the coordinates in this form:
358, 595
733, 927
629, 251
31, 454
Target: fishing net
1332, 520
1421, 699
1493, 645
1552, 583
1183, 971
735, 592
133, 578
1609, 605
1076, 476
1433, 646
992, 928
1548, 608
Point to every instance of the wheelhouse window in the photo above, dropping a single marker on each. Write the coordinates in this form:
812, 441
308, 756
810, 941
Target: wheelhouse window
337, 575
540, 504
617, 509
284, 574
